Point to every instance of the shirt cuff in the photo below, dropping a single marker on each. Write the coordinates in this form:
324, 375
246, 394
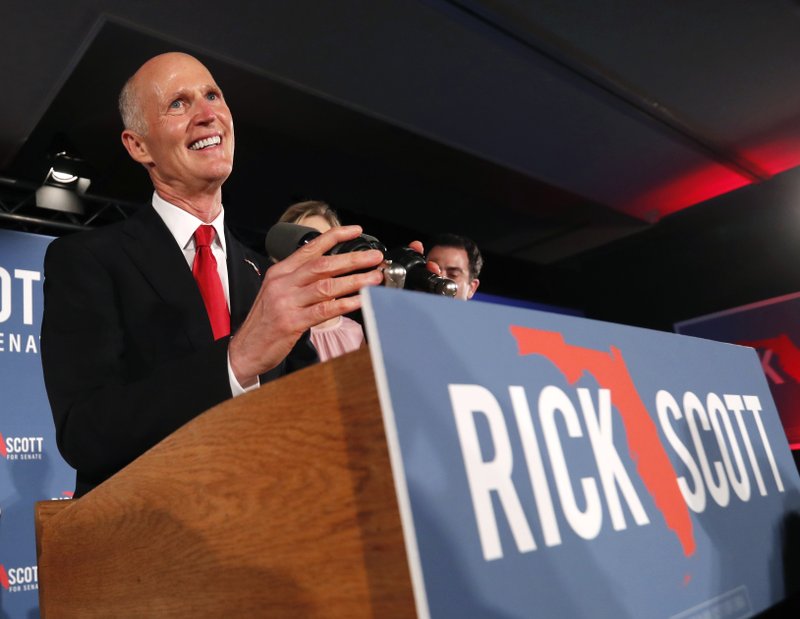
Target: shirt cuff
236, 388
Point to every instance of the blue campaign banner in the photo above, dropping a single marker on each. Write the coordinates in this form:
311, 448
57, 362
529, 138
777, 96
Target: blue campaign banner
31, 468
772, 328
545, 307
554, 466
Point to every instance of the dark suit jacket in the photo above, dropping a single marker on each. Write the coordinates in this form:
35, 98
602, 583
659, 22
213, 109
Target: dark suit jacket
127, 348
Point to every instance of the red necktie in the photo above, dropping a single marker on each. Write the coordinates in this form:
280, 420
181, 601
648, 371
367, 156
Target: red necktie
205, 272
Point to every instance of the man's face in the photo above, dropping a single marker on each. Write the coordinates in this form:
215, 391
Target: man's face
454, 264
189, 142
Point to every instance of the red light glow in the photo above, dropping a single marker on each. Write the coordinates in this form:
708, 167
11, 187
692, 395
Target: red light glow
687, 190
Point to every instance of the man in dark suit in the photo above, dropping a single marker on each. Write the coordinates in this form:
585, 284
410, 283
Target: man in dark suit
132, 347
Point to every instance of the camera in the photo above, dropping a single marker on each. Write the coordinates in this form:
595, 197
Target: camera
402, 267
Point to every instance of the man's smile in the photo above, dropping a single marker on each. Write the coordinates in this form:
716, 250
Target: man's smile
205, 142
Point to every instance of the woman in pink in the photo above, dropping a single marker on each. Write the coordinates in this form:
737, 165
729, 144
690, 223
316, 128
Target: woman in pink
338, 335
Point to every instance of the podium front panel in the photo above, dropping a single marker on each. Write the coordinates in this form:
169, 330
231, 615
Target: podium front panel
549, 465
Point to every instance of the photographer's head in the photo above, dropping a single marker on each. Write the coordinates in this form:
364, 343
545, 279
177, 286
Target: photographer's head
459, 259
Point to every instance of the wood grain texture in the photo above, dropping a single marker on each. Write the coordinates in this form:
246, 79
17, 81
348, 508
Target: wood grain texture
279, 503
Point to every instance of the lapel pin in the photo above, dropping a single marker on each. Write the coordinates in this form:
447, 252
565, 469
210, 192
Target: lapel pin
253, 264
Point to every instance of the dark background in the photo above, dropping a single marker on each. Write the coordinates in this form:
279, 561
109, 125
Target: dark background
636, 161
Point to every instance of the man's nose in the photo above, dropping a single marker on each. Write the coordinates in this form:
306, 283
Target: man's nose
205, 112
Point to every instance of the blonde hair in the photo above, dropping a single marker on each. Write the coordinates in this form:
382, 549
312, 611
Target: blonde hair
309, 208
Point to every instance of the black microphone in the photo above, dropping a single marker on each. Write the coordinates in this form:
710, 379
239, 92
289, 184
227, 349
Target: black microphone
402, 267
284, 238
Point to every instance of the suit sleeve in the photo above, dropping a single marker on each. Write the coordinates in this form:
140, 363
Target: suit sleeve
106, 413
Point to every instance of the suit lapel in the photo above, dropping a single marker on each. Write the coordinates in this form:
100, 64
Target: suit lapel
244, 280
153, 249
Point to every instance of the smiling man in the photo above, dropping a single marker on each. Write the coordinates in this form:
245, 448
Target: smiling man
136, 334
178, 126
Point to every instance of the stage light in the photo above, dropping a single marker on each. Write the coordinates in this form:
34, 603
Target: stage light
63, 185
67, 169
59, 199
63, 177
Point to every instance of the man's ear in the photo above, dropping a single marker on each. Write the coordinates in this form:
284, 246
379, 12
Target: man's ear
136, 147
473, 286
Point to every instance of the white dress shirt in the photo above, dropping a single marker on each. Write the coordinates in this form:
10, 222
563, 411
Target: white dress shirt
182, 225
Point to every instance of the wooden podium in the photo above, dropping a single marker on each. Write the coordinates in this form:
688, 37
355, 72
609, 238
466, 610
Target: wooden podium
279, 503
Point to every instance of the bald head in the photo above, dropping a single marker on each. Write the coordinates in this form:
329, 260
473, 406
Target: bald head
179, 127
130, 106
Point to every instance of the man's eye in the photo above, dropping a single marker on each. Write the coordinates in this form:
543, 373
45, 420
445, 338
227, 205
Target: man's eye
176, 105
212, 96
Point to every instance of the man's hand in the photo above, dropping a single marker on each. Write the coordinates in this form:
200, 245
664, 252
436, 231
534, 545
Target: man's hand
431, 266
299, 292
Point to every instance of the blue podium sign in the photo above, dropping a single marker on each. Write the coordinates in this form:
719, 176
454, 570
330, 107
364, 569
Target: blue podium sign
771, 327
553, 466
31, 469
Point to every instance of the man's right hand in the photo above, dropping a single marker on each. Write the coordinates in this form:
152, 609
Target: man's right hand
299, 292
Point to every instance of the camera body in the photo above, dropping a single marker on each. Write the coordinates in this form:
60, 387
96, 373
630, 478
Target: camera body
405, 268
363, 242
402, 267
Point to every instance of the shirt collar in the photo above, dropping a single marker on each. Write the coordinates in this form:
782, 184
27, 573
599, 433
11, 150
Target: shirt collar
183, 224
